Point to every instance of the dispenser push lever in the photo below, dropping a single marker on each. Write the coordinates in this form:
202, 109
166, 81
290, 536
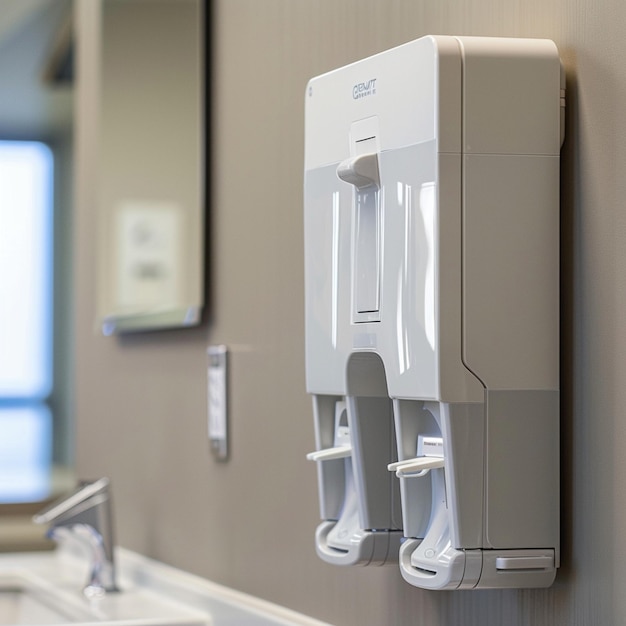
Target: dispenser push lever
329, 454
414, 468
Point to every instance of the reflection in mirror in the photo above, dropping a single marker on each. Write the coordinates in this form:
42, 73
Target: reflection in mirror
35, 261
150, 173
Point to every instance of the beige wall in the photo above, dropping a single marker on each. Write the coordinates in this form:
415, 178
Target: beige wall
140, 401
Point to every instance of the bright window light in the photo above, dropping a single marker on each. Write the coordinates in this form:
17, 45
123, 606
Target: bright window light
26, 232
25, 270
25, 435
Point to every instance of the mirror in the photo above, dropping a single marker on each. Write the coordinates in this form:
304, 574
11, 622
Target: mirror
151, 165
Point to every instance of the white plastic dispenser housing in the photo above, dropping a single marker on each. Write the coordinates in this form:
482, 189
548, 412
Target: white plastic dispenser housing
432, 309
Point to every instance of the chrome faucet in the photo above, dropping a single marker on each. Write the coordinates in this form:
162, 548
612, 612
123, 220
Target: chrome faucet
85, 515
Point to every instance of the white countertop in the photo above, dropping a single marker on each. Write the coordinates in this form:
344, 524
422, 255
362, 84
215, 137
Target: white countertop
152, 594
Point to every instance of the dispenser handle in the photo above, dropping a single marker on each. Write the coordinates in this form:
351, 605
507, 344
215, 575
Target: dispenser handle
329, 454
360, 171
414, 468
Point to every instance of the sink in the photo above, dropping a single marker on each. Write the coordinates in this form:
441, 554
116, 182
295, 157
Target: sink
23, 601
27, 599
18, 606
45, 589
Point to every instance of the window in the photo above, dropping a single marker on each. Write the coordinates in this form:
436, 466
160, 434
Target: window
26, 235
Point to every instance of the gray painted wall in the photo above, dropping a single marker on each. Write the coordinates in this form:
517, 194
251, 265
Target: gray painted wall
140, 400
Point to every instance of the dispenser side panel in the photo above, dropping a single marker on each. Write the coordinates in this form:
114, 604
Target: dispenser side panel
522, 470
511, 270
511, 96
511, 144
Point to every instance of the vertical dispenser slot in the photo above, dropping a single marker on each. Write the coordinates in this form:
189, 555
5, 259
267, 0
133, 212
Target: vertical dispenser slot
367, 213
362, 171
367, 257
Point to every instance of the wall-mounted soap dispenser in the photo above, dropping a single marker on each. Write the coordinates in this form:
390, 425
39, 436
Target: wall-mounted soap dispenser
432, 309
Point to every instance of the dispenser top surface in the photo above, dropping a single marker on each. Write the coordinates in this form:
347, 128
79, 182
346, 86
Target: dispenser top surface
397, 86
